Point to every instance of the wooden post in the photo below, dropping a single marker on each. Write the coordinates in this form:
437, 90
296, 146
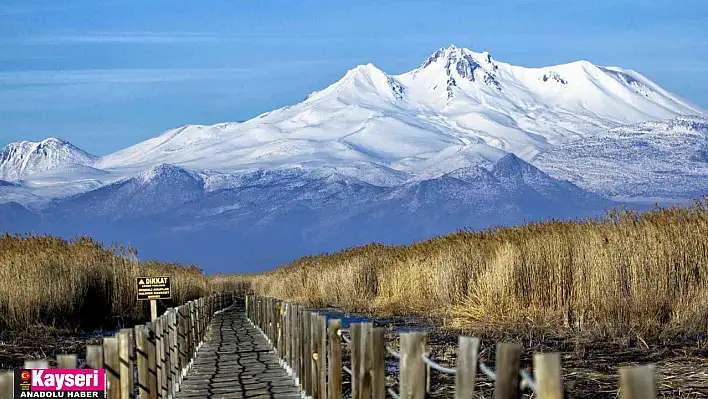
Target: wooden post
210, 308
141, 349
66, 361
174, 352
181, 340
259, 313
192, 330
111, 363
272, 323
293, 338
321, 360
276, 325
508, 365
314, 356
160, 357
187, 334
378, 363
355, 351
412, 366
297, 346
334, 360
466, 376
36, 364
366, 352
152, 360
125, 351
164, 350
153, 310
281, 330
547, 372
637, 382
307, 351
198, 320
94, 356
7, 384
203, 317
286, 332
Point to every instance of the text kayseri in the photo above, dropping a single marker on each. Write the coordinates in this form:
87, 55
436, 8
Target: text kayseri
57, 380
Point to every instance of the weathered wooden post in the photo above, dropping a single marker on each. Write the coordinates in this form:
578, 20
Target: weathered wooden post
321, 358
508, 365
36, 364
281, 330
378, 363
466, 369
174, 351
94, 356
297, 350
286, 333
366, 361
7, 384
141, 344
111, 363
152, 360
412, 366
355, 332
547, 372
66, 361
314, 356
181, 339
160, 356
637, 382
125, 352
194, 340
307, 351
334, 360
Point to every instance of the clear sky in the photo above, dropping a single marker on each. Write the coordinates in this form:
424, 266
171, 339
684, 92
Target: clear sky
108, 74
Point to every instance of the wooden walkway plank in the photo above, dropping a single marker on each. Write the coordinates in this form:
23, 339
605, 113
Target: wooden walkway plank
236, 363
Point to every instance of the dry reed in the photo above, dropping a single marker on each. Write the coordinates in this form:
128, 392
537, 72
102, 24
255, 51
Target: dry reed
79, 284
644, 274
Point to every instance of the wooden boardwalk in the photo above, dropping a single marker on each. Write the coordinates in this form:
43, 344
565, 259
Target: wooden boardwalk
238, 362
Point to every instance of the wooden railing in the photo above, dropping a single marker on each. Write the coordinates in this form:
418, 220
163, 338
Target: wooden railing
158, 353
310, 347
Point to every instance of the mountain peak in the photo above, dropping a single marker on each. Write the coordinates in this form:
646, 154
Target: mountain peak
23, 158
362, 81
453, 54
167, 171
511, 167
457, 64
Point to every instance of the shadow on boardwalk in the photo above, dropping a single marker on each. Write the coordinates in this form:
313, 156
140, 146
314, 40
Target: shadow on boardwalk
236, 363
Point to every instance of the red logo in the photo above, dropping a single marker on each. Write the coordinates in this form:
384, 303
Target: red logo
25, 375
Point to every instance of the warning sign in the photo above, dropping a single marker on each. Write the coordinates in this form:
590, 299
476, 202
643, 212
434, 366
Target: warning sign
153, 288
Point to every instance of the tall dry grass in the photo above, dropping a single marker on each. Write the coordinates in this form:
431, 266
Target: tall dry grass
625, 273
81, 284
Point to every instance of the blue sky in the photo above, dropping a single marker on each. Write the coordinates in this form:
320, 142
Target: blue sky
107, 74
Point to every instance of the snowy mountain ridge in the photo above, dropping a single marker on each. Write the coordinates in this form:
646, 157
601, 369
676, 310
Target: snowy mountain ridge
655, 160
457, 109
25, 158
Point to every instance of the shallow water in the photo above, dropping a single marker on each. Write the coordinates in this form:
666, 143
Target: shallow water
397, 324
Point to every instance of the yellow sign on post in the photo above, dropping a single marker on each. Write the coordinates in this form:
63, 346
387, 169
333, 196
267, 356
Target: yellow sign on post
151, 288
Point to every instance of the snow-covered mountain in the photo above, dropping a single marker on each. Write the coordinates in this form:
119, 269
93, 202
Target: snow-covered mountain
26, 158
654, 161
461, 141
459, 108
